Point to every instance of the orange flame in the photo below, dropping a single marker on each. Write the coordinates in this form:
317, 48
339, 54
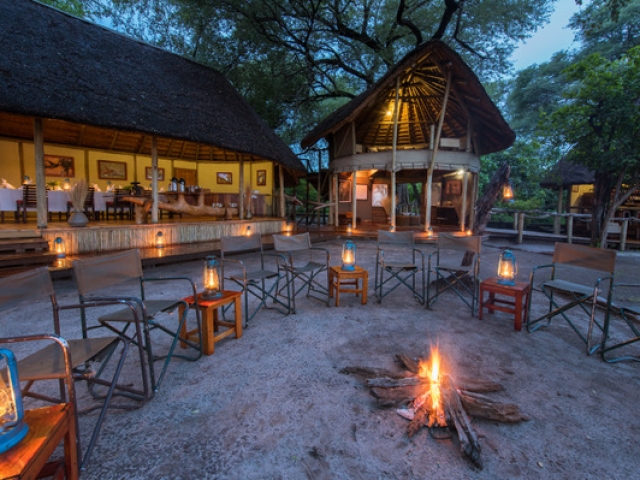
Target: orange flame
431, 370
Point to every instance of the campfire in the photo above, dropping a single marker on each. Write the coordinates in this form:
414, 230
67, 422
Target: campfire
426, 395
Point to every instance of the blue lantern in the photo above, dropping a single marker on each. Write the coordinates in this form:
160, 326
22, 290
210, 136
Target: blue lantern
12, 426
349, 256
59, 248
507, 268
211, 278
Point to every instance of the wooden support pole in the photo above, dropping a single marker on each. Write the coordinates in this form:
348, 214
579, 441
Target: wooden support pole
558, 219
41, 187
624, 227
570, 229
241, 187
154, 179
521, 216
283, 211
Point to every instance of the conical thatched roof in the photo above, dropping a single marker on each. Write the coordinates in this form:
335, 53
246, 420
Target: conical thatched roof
422, 84
95, 88
564, 174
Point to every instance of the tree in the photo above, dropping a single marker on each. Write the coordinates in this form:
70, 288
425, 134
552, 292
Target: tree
599, 123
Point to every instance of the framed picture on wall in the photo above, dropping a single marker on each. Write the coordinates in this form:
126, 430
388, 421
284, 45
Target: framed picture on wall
379, 194
362, 192
344, 191
59, 166
110, 170
453, 187
224, 178
148, 173
261, 177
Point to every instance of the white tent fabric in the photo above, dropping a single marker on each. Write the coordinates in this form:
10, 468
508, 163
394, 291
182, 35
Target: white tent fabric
407, 160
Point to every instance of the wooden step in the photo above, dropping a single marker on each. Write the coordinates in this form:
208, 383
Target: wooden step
23, 244
24, 259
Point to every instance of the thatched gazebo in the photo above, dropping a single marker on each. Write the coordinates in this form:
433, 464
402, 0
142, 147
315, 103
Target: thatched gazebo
428, 120
66, 81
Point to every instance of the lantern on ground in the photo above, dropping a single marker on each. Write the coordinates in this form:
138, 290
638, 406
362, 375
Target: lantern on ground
507, 192
211, 278
507, 268
160, 241
66, 185
12, 426
349, 256
59, 248
288, 228
429, 232
248, 232
349, 229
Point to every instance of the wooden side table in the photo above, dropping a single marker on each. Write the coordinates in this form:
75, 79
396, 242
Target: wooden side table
520, 293
338, 278
210, 321
47, 427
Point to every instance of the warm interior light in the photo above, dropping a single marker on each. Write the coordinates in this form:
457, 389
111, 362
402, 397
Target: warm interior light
429, 232
160, 242
507, 268
248, 232
59, 248
211, 277
67, 184
469, 232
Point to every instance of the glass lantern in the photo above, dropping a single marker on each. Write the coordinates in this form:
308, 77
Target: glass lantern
211, 278
12, 426
429, 232
507, 192
248, 232
349, 256
507, 268
349, 229
160, 241
59, 248
66, 185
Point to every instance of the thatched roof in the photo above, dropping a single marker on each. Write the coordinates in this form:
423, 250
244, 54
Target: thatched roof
422, 86
96, 88
564, 174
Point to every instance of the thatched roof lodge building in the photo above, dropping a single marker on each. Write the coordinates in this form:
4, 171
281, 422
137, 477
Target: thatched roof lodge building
428, 120
75, 89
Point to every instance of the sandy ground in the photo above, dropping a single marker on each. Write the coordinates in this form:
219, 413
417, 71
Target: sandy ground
274, 405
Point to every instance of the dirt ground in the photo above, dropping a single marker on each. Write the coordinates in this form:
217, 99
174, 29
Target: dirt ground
274, 405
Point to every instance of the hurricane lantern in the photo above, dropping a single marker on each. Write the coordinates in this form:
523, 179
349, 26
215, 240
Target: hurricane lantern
288, 228
59, 248
349, 256
211, 278
248, 232
349, 229
160, 241
429, 232
507, 192
507, 268
66, 185
12, 426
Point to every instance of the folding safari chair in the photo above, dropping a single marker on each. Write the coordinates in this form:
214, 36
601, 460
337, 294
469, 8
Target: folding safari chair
401, 262
97, 276
577, 273
260, 283
304, 262
618, 336
450, 272
60, 359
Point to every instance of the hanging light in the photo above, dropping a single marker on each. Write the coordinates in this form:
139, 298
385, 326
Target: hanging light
507, 268
507, 192
59, 248
211, 278
349, 256
12, 426
66, 185
160, 241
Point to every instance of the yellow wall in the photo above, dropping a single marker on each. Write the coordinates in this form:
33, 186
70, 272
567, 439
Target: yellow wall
86, 166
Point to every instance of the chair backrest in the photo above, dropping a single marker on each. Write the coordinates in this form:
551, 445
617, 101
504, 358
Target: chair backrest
397, 238
465, 244
582, 256
240, 243
25, 287
95, 273
290, 243
29, 196
88, 200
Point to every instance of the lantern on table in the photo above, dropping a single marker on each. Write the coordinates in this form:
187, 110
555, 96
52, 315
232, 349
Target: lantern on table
66, 185
12, 426
507, 268
349, 256
59, 248
160, 241
211, 278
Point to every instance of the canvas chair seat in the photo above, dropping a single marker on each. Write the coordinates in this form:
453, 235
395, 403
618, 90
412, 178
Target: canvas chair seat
96, 276
303, 263
398, 263
261, 284
61, 359
446, 263
595, 267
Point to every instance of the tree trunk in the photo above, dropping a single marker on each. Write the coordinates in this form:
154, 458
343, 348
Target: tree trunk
487, 201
